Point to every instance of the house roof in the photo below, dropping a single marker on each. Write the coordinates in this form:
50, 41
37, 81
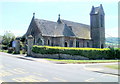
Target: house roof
65, 28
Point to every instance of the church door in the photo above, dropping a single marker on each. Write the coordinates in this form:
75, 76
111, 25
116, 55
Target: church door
66, 44
48, 43
102, 46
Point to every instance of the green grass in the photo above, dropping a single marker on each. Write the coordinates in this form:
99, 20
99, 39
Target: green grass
4, 51
83, 61
113, 66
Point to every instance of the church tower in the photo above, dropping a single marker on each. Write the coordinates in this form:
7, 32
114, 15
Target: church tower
97, 25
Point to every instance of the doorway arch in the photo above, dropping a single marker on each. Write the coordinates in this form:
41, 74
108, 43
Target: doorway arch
39, 41
48, 42
66, 44
102, 46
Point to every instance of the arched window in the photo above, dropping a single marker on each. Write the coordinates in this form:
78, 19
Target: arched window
48, 42
71, 43
77, 44
102, 46
101, 20
66, 44
39, 41
88, 44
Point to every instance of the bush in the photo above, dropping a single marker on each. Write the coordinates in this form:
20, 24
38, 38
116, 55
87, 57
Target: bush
91, 53
4, 47
10, 50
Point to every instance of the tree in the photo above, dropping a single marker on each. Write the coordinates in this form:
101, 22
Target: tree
1, 37
8, 37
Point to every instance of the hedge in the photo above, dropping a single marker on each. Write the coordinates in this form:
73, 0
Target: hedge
91, 53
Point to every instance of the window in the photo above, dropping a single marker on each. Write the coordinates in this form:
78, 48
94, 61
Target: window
71, 43
51, 44
77, 43
48, 42
32, 33
102, 46
66, 44
39, 41
101, 20
34, 41
88, 44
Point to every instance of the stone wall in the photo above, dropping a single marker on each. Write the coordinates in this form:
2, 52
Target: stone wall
53, 41
60, 41
30, 41
59, 56
17, 45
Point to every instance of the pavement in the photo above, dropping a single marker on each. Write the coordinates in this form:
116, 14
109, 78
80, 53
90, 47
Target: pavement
19, 68
100, 68
95, 67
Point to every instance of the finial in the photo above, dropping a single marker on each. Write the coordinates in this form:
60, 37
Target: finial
59, 15
101, 6
59, 21
34, 14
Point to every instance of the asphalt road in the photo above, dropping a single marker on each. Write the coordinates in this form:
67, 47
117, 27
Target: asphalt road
14, 69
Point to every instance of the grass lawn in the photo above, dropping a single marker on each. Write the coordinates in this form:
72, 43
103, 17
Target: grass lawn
83, 61
4, 51
113, 66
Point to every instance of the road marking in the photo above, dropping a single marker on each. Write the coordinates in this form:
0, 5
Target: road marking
1, 81
5, 73
38, 74
20, 71
109, 75
44, 61
17, 71
30, 78
93, 69
14, 72
60, 79
1, 66
89, 80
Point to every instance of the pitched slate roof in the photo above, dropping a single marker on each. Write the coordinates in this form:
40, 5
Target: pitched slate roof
80, 30
46, 27
96, 10
66, 28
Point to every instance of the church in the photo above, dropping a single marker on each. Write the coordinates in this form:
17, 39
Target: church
66, 33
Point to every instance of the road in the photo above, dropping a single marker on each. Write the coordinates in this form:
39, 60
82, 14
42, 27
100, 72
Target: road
14, 69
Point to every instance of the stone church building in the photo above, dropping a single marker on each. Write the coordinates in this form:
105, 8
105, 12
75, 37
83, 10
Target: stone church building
66, 33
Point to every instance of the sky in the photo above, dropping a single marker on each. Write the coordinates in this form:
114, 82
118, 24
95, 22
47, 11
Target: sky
16, 15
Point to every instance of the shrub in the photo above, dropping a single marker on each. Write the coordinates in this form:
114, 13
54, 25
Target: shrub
10, 50
91, 53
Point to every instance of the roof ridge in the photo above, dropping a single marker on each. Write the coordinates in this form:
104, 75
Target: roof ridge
75, 22
45, 20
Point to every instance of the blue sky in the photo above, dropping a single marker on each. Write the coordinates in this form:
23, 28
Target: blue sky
16, 16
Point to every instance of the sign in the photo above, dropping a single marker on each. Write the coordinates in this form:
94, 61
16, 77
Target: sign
13, 43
